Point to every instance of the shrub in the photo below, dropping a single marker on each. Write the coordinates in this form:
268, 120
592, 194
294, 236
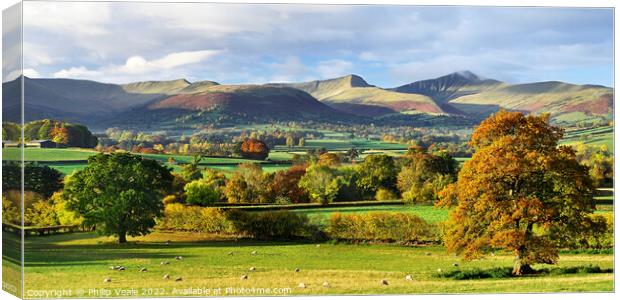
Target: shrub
40, 214
476, 273
384, 194
194, 218
169, 199
64, 215
10, 212
384, 227
269, 225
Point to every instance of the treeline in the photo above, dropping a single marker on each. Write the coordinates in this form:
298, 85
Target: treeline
67, 134
417, 177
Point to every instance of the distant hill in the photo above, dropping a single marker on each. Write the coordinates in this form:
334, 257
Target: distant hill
168, 87
461, 98
467, 94
251, 100
352, 94
68, 99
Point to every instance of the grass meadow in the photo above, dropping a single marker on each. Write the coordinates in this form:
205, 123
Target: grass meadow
81, 261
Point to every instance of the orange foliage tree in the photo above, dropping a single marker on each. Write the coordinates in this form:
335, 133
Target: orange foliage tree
59, 134
254, 149
519, 192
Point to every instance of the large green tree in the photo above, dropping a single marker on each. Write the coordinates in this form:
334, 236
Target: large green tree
519, 192
378, 170
119, 193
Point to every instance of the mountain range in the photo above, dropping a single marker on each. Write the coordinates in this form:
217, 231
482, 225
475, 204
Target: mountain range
461, 97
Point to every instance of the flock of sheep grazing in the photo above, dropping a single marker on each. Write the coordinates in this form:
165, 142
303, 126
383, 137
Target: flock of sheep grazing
301, 285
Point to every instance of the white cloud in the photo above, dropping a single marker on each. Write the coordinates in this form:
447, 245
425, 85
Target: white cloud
291, 69
77, 72
32, 73
137, 65
75, 18
334, 68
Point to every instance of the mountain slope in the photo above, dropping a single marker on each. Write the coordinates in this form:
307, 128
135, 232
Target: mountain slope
556, 98
73, 100
258, 101
167, 87
352, 94
467, 94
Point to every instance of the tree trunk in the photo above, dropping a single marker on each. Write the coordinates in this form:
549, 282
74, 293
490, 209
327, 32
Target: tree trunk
521, 268
122, 237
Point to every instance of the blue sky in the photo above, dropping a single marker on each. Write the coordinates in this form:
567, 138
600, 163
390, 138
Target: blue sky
387, 45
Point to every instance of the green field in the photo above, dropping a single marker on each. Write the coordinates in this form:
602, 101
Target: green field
82, 261
600, 136
47, 154
427, 212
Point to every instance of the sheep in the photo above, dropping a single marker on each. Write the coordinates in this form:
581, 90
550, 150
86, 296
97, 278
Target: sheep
428, 254
297, 270
107, 279
455, 265
253, 269
167, 276
230, 253
143, 270
439, 270
121, 268
179, 278
326, 284
301, 285
384, 282
409, 278
164, 263
243, 277
179, 258
254, 252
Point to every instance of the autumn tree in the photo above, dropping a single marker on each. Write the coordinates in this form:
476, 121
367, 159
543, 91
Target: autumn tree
249, 184
329, 159
119, 193
59, 134
254, 149
424, 175
285, 185
321, 183
519, 192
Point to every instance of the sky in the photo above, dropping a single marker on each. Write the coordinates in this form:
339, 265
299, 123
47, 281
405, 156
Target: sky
387, 45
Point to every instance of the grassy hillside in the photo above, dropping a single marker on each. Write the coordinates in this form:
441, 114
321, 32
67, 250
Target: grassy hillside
156, 87
562, 100
354, 95
251, 100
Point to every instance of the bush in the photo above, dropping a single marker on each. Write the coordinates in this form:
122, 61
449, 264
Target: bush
384, 227
201, 192
476, 273
270, 225
384, 194
507, 272
194, 218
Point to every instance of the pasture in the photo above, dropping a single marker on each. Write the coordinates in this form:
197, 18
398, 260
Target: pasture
82, 261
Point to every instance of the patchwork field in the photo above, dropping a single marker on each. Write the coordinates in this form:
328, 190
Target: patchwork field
81, 261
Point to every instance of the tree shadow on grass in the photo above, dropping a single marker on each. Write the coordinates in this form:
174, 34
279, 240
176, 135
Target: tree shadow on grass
57, 250
506, 272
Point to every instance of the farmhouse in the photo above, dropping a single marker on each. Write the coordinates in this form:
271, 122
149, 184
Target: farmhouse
41, 144
31, 144
10, 144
